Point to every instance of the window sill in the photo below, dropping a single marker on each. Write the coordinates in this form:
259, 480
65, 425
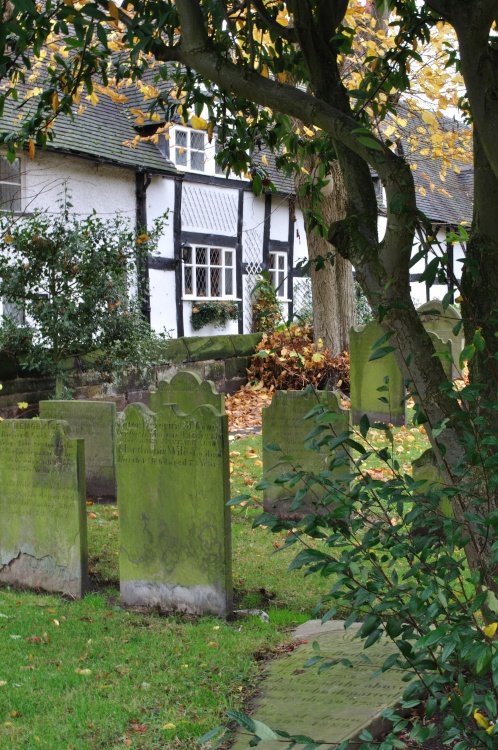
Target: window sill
211, 299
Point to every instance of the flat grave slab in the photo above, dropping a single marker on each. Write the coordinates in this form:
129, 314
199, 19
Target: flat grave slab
332, 706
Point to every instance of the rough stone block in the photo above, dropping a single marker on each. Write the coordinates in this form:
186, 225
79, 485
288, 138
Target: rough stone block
209, 347
93, 421
245, 344
173, 486
42, 507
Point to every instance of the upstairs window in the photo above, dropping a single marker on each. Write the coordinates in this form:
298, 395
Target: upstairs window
190, 149
278, 273
10, 185
208, 272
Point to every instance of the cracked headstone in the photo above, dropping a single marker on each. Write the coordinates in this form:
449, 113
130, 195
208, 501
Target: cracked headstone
377, 386
187, 391
94, 421
286, 449
173, 489
42, 507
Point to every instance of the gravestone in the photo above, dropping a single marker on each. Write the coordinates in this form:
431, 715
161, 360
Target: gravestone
94, 421
332, 706
443, 350
285, 428
425, 469
441, 321
367, 377
187, 391
42, 507
173, 487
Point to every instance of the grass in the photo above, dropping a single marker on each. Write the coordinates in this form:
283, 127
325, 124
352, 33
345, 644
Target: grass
88, 675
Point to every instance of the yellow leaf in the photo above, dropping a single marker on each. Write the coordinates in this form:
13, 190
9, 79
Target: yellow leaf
169, 725
480, 719
93, 98
31, 148
113, 10
264, 160
490, 629
84, 672
55, 101
198, 123
422, 191
282, 77
22, 404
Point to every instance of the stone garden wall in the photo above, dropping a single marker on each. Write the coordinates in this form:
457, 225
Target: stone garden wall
222, 359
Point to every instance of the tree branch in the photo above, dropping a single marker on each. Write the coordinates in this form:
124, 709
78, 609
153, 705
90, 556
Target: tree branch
286, 32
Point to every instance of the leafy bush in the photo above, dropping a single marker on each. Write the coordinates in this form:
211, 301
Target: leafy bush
288, 359
71, 277
266, 310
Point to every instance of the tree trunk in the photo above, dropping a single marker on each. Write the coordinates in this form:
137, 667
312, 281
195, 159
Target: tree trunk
332, 284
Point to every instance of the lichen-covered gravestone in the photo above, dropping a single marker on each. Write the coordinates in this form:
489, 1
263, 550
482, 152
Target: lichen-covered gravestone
173, 487
187, 391
425, 469
368, 376
94, 421
285, 447
42, 507
441, 321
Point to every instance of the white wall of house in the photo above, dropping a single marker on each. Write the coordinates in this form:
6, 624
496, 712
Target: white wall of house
107, 189
161, 198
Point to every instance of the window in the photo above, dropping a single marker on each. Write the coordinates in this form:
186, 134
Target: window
278, 273
190, 147
10, 185
208, 272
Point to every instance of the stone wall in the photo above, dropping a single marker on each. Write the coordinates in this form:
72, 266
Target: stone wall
222, 359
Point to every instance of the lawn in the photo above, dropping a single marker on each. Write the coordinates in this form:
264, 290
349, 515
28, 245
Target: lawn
87, 674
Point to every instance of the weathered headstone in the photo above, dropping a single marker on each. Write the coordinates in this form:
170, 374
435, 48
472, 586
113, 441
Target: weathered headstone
94, 421
443, 351
285, 430
425, 469
367, 377
42, 507
331, 706
173, 487
441, 321
187, 391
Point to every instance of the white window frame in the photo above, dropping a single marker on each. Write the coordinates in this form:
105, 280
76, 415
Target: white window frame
187, 149
278, 275
11, 183
227, 256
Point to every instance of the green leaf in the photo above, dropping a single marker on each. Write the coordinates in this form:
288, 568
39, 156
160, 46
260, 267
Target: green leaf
382, 352
370, 143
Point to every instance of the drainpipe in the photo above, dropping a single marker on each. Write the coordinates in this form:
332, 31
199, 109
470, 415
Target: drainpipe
142, 182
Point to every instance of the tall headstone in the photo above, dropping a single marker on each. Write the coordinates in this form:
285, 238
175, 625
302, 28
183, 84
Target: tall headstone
94, 421
377, 386
187, 391
425, 469
443, 351
42, 507
285, 448
173, 489
441, 321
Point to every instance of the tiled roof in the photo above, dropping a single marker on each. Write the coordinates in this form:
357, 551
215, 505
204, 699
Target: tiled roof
99, 132
442, 195
283, 183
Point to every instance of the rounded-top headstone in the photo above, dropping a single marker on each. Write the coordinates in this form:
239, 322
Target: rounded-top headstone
187, 391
